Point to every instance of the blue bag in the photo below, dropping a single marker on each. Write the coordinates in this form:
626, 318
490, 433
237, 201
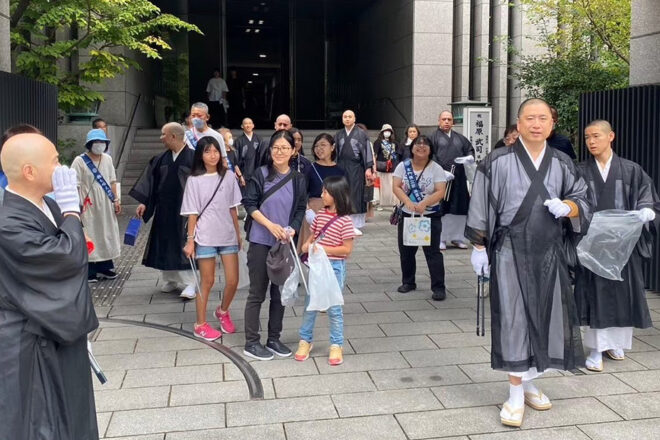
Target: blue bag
132, 231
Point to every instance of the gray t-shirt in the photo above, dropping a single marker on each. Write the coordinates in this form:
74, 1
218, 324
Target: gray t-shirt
432, 174
215, 227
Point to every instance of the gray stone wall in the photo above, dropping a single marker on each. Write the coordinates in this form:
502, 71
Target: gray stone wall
5, 48
645, 43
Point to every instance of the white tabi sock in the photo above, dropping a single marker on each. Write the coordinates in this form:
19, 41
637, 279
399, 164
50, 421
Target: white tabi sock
516, 396
595, 357
529, 387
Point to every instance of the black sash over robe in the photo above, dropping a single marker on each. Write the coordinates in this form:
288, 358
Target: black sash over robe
354, 156
604, 303
46, 313
534, 316
160, 188
445, 150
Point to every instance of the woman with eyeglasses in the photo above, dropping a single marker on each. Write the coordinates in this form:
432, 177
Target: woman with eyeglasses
275, 200
324, 165
420, 184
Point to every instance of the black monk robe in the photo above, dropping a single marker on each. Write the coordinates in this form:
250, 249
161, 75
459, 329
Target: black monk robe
354, 156
604, 303
160, 188
445, 150
46, 313
534, 317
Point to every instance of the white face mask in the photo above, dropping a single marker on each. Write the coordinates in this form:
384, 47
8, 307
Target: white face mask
231, 142
387, 134
98, 147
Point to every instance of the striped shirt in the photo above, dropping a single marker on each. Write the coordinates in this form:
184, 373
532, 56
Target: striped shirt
340, 230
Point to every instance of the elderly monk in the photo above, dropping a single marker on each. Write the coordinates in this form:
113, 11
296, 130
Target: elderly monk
45, 306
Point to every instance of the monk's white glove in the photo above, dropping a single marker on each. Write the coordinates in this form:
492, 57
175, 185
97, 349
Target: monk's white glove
449, 176
646, 215
310, 215
65, 189
479, 260
557, 207
464, 160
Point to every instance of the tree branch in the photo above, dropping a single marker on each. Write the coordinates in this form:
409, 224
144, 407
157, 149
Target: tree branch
601, 34
18, 13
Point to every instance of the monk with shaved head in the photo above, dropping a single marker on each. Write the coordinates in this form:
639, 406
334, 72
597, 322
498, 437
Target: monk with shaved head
247, 147
526, 199
46, 310
159, 190
611, 308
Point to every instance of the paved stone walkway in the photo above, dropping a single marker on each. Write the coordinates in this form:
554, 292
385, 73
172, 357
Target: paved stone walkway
413, 369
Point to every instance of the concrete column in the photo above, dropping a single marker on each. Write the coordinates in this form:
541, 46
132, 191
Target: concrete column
461, 56
499, 69
432, 59
479, 55
5, 46
645, 43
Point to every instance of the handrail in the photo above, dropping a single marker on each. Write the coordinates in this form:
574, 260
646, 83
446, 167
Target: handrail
128, 130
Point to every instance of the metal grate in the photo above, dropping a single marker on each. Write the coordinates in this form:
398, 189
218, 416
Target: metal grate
105, 292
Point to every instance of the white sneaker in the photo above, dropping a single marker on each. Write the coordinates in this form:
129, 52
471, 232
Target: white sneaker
188, 292
357, 232
168, 287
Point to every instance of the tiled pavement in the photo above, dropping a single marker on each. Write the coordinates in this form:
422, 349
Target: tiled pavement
413, 369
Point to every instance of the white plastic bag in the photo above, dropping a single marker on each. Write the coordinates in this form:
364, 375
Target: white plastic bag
470, 171
243, 272
324, 291
612, 236
416, 231
289, 291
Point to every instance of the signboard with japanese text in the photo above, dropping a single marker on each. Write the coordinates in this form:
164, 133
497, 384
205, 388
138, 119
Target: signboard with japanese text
477, 128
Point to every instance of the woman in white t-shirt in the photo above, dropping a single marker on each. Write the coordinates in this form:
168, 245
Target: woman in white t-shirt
420, 183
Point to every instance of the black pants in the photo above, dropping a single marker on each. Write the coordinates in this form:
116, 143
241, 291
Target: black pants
434, 258
256, 258
218, 117
99, 266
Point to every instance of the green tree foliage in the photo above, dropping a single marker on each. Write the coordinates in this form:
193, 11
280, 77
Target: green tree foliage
76, 43
587, 46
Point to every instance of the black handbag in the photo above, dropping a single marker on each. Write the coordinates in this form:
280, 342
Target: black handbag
397, 215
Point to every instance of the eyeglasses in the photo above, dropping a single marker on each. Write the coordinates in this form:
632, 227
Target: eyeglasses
322, 146
422, 145
281, 149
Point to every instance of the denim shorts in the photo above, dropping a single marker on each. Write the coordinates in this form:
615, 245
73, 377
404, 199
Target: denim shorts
214, 251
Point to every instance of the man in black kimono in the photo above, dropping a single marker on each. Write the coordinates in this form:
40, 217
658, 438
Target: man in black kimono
557, 140
451, 149
519, 198
160, 193
46, 310
355, 156
247, 146
612, 308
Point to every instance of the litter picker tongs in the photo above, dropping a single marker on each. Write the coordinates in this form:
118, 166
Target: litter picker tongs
481, 304
96, 368
298, 265
450, 183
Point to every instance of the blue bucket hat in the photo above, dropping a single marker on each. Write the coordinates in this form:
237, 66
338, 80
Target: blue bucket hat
97, 135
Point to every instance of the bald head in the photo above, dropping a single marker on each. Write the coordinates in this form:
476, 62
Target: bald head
28, 160
283, 122
445, 121
175, 129
533, 101
602, 124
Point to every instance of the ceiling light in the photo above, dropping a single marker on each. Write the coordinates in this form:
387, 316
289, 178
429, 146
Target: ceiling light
261, 22
262, 55
249, 82
263, 3
256, 31
255, 74
248, 30
250, 21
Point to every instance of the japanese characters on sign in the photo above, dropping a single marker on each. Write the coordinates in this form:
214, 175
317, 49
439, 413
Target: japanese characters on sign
477, 122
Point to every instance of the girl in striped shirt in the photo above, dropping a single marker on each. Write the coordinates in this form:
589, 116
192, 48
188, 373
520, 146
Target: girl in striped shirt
333, 230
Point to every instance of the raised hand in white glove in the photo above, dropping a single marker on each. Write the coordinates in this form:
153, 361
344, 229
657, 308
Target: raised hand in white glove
310, 215
464, 160
557, 207
449, 176
646, 215
65, 189
479, 260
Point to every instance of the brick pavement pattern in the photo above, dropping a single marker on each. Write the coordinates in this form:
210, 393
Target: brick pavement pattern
413, 368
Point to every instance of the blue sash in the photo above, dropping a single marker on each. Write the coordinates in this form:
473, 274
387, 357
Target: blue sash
413, 183
191, 137
98, 177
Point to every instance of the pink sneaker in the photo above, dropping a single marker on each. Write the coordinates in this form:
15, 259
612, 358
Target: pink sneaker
226, 324
205, 331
